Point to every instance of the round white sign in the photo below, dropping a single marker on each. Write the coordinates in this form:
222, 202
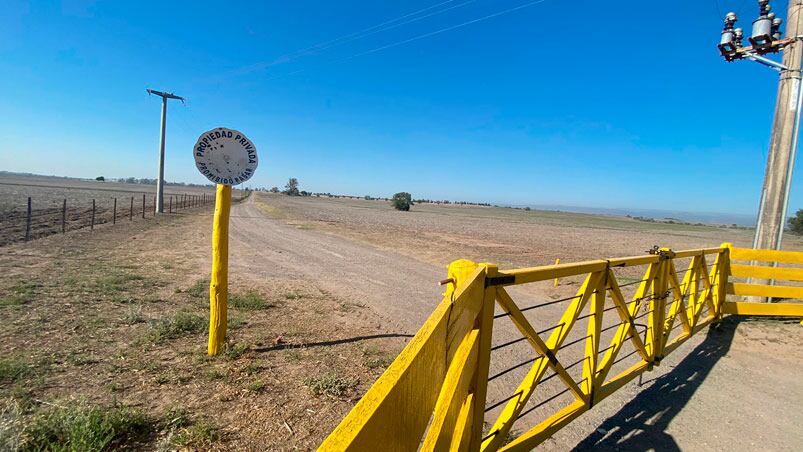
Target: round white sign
225, 156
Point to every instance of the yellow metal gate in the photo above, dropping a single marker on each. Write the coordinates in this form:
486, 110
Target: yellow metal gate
433, 396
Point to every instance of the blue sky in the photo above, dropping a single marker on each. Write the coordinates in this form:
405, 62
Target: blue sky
602, 104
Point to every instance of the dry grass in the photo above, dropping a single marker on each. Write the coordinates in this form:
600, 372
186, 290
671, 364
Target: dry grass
106, 338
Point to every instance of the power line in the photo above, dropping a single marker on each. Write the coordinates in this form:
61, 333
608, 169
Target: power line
453, 27
364, 33
422, 36
379, 28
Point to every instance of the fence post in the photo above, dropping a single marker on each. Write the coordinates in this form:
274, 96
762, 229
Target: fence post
92, 223
64, 216
28, 222
143, 205
131, 210
170, 205
114, 212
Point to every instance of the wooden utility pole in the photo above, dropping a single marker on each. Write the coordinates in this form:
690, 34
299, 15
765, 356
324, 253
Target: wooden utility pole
783, 141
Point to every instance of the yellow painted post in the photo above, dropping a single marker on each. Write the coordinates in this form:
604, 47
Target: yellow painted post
557, 261
484, 323
219, 285
723, 273
658, 305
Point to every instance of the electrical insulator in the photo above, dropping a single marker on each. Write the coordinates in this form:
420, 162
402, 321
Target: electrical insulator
730, 40
761, 38
776, 28
738, 34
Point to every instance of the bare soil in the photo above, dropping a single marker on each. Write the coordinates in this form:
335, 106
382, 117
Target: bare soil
689, 402
344, 284
113, 202
89, 315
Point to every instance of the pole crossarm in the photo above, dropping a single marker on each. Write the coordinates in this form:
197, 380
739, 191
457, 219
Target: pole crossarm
164, 95
434, 395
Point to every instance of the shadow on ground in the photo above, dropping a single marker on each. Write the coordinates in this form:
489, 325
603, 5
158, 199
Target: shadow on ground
330, 343
641, 424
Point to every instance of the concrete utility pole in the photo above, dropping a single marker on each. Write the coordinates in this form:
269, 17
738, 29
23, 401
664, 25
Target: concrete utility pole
160, 180
783, 142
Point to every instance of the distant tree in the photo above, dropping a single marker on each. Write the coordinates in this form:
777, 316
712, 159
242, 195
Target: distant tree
291, 188
796, 222
274, 190
402, 201
100, 179
304, 193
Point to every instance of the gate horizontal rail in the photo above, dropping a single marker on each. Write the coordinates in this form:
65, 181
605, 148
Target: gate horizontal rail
434, 395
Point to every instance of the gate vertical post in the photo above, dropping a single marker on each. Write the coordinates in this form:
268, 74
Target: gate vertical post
485, 322
722, 277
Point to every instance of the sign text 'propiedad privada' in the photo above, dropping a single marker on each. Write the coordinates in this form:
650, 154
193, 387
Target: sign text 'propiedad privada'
225, 156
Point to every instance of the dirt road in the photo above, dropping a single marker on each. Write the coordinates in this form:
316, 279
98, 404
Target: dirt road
400, 289
690, 402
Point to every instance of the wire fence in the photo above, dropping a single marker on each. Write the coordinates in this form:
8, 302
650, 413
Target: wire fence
35, 222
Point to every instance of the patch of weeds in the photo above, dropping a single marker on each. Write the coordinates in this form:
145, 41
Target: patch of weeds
134, 315
348, 307
255, 386
372, 350
331, 384
115, 387
199, 435
375, 357
198, 290
252, 368
78, 427
176, 325
292, 295
151, 366
13, 369
12, 425
293, 355
162, 379
235, 322
116, 281
215, 374
176, 417
234, 351
77, 359
19, 294
378, 362
249, 301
